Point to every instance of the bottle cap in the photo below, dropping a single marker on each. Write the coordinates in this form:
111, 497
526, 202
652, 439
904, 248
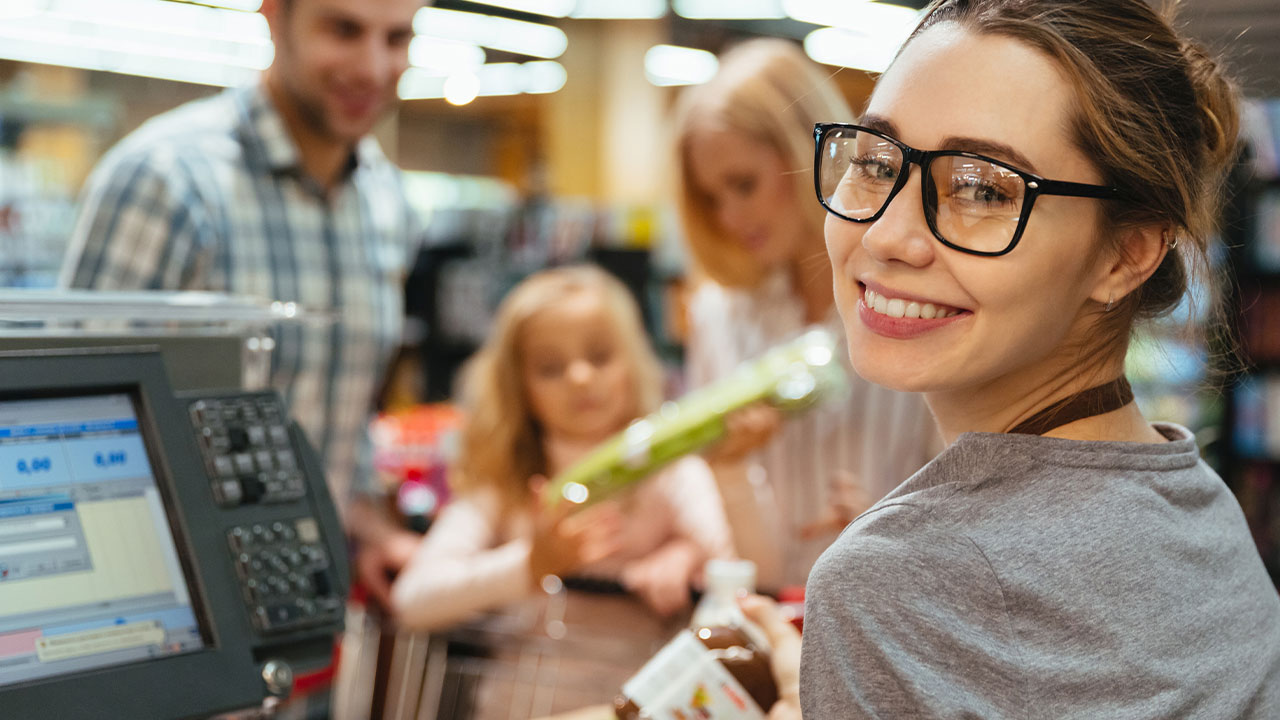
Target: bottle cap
731, 576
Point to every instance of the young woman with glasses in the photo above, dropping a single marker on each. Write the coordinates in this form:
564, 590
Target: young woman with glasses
1031, 178
756, 239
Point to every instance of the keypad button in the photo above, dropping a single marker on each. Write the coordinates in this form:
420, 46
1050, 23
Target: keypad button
257, 435
223, 466
266, 463
244, 463
279, 435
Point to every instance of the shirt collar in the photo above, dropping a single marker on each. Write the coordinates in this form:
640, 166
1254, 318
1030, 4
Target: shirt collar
263, 129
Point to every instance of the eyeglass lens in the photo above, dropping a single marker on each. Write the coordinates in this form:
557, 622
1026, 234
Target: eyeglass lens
971, 203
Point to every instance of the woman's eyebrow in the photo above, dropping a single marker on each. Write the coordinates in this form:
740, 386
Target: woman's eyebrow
981, 146
992, 148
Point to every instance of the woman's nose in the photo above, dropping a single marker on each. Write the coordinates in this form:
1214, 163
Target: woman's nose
902, 234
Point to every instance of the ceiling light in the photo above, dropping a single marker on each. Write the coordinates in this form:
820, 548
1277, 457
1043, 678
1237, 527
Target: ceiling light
461, 88
542, 76
174, 41
444, 55
728, 9
550, 8
845, 48
241, 5
674, 65
517, 36
620, 9
870, 18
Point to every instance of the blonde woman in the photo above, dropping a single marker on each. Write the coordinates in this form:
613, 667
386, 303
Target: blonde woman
566, 366
745, 153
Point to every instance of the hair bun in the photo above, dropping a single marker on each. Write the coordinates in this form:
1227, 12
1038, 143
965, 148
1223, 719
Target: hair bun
1217, 100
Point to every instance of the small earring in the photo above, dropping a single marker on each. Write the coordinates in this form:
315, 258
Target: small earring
1171, 239
1110, 297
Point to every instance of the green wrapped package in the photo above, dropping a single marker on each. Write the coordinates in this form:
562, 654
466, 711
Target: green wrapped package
792, 377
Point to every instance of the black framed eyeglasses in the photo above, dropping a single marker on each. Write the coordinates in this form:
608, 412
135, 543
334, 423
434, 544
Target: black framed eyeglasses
972, 203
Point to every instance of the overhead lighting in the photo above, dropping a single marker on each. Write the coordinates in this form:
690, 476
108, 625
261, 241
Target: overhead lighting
461, 88
542, 77
870, 18
674, 65
491, 79
728, 9
619, 9
444, 55
516, 36
173, 41
241, 5
846, 48
550, 8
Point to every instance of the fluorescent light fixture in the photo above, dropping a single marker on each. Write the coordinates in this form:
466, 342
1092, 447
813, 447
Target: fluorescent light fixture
241, 5
845, 48
461, 88
728, 9
545, 76
550, 8
20, 8
675, 65
619, 9
517, 36
542, 76
871, 18
174, 41
444, 55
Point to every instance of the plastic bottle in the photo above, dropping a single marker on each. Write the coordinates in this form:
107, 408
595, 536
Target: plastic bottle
719, 668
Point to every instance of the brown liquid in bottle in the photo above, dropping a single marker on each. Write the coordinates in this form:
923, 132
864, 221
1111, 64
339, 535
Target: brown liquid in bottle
747, 663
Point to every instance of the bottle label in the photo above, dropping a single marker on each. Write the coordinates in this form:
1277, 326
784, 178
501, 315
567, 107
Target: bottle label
685, 681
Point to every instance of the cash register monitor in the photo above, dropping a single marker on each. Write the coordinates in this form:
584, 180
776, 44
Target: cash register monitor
89, 569
125, 581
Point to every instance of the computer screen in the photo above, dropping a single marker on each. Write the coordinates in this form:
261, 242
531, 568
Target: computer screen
90, 576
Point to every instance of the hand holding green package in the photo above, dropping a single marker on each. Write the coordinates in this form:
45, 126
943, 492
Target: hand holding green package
792, 377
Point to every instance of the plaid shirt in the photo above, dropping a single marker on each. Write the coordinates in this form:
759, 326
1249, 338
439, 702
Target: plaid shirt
212, 196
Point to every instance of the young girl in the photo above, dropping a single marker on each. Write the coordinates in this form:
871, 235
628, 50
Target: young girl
566, 366
744, 153
1030, 178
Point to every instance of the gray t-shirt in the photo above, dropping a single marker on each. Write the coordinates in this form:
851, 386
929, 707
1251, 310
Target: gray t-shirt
1020, 576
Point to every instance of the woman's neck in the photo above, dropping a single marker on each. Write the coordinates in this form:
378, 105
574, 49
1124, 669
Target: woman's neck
1002, 404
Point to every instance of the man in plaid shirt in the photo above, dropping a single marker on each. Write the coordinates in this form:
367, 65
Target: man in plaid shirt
277, 190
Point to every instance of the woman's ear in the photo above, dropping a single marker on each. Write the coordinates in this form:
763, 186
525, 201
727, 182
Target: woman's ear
1141, 251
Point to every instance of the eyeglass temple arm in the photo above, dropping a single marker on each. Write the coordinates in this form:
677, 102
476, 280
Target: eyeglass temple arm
1073, 189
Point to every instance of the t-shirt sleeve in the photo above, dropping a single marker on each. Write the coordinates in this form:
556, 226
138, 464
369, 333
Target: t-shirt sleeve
141, 225
902, 620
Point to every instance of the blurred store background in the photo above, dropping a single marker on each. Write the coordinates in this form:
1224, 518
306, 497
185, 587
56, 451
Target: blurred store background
534, 132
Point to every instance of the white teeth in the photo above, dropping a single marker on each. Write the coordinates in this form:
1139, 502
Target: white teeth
898, 308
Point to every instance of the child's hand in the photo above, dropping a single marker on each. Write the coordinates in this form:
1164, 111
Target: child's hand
746, 431
565, 540
661, 578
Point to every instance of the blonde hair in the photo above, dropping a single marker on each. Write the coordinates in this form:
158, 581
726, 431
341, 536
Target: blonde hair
770, 92
501, 440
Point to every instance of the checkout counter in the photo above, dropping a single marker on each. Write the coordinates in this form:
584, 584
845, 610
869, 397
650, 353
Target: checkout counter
164, 552
169, 548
